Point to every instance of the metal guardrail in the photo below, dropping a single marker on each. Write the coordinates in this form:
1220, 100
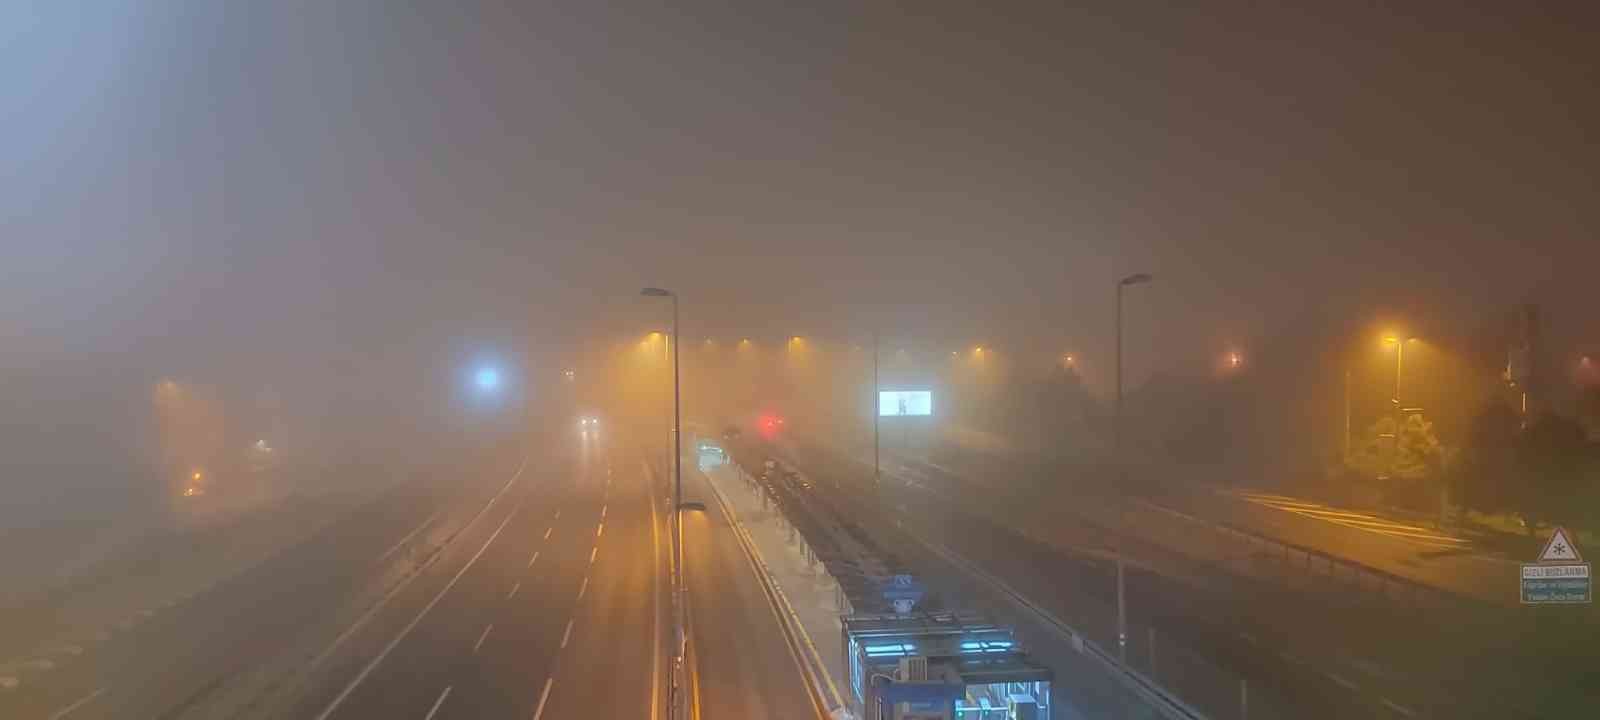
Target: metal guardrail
1386, 584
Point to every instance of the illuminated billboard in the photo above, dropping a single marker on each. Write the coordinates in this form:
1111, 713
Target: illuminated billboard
896, 403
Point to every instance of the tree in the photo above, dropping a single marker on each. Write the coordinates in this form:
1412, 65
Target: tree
1416, 455
1491, 459
1552, 455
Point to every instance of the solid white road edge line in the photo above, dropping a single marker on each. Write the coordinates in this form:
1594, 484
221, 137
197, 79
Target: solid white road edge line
362, 621
373, 664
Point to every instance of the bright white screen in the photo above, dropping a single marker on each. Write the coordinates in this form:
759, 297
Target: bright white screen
905, 402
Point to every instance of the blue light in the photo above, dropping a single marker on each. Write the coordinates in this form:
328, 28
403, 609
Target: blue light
893, 650
487, 378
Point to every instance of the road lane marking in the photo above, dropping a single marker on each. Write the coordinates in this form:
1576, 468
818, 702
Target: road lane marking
1403, 710
655, 615
63, 712
600, 530
373, 664
533, 559
1336, 677
481, 638
592, 552
362, 621
514, 589
543, 697
568, 634
583, 587
558, 513
547, 532
437, 703
402, 541
602, 512
793, 631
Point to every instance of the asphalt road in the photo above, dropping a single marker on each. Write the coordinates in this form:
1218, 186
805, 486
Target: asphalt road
743, 668
179, 657
482, 628
571, 632
1314, 649
531, 585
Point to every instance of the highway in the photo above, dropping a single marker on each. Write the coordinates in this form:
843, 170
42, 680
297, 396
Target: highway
743, 664
533, 584
1356, 657
553, 609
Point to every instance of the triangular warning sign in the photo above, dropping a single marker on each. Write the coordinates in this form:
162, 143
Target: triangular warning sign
1559, 549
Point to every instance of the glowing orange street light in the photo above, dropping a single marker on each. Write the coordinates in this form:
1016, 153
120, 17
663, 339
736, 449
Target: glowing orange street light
1234, 360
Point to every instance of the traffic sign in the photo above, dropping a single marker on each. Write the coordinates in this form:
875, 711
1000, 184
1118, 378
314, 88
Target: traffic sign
1556, 584
1560, 549
1560, 576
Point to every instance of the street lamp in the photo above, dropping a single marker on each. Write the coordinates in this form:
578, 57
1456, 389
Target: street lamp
677, 464
1399, 346
877, 412
1116, 449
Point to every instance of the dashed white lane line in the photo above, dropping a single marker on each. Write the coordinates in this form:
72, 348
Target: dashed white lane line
598, 531
1403, 710
558, 513
567, 635
514, 589
373, 664
384, 602
592, 552
63, 712
1336, 677
584, 587
602, 512
437, 703
481, 638
543, 697
533, 559
547, 532
402, 541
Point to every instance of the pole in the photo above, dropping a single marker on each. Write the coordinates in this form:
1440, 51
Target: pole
1122, 475
877, 467
677, 440
1346, 416
1116, 449
1394, 445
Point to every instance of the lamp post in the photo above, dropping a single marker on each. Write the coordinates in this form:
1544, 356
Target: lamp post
677, 476
1116, 446
1399, 358
877, 471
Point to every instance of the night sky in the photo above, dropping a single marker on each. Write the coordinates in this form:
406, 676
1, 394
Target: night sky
233, 189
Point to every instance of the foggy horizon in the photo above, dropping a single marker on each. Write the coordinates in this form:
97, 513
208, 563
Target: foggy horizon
292, 294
